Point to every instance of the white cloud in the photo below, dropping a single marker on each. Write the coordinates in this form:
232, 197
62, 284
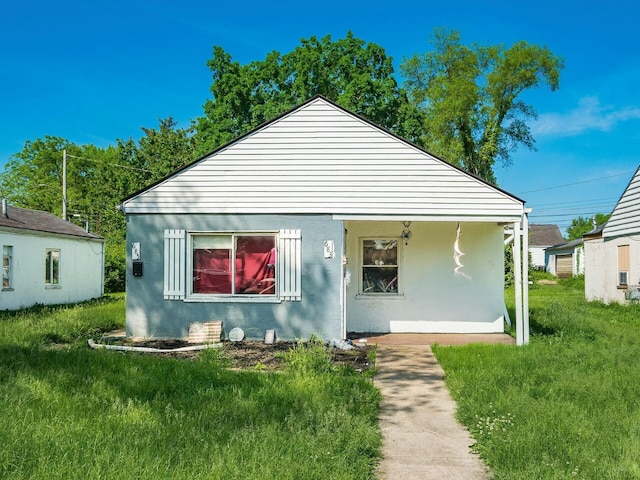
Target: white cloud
589, 115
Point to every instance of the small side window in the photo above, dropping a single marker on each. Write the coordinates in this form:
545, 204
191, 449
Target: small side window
623, 265
7, 267
52, 267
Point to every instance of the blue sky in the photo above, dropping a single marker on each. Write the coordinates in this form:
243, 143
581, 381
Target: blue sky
93, 72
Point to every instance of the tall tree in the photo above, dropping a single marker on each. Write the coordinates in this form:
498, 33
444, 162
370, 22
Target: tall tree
581, 225
354, 74
470, 98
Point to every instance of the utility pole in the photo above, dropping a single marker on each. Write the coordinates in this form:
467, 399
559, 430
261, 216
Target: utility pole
64, 184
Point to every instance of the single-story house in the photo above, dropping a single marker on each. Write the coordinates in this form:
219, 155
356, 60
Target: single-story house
47, 260
320, 222
566, 259
612, 251
541, 237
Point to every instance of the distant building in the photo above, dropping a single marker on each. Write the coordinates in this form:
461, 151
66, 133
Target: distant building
612, 251
47, 260
541, 237
567, 259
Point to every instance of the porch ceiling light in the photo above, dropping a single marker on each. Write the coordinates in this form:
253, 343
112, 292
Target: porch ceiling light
406, 233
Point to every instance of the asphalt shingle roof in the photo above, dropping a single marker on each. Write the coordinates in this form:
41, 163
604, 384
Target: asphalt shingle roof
544, 235
38, 221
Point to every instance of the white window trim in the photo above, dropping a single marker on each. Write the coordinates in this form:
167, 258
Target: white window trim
237, 297
9, 253
387, 296
48, 251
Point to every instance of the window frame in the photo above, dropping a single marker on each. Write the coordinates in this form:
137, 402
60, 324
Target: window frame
7, 255
398, 266
192, 296
623, 266
52, 274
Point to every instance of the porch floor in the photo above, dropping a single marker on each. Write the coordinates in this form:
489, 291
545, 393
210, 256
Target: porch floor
432, 338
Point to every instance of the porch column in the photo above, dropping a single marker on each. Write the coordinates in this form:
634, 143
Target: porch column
517, 272
525, 276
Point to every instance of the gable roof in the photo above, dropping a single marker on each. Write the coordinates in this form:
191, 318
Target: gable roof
544, 235
320, 158
42, 222
625, 218
566, 245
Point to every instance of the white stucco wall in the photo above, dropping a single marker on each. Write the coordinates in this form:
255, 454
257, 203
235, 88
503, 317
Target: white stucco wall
601, 268
431, 298
81, 270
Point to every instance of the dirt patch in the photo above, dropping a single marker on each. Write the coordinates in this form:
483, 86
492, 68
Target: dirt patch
258, 355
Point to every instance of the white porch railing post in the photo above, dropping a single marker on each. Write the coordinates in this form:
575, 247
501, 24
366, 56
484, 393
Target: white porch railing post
517, 272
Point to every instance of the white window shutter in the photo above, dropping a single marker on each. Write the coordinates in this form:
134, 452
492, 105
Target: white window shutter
290, 265
174, 264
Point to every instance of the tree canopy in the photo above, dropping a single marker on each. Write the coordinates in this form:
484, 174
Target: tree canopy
581, 225
357, 75
469, 97
461, 102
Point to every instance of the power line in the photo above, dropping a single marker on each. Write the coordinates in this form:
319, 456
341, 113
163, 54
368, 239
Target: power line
112, 164
577, 183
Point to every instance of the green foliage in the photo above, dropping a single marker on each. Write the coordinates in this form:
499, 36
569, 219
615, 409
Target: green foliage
564, 406
97, 181
68, 411
354, 74
469, 98
581, 225
308, 358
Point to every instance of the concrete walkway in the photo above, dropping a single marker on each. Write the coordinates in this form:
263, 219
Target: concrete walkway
421, 437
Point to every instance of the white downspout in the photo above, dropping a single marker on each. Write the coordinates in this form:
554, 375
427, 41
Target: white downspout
517, 271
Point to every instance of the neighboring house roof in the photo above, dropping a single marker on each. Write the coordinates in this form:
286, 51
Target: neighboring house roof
322, 159
625, 219
38, 221
544, 235
566, 245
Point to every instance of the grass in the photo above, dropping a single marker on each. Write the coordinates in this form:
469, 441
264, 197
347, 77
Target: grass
71, 412
565, 406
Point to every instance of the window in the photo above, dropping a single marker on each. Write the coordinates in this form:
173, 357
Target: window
623, 265
7, 260
234, 264
52, 267
245, 266
380, 266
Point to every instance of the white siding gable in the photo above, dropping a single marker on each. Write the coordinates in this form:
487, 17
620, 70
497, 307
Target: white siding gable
625, 219
319, 159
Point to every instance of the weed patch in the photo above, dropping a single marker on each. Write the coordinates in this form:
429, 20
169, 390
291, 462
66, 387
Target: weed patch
71, 412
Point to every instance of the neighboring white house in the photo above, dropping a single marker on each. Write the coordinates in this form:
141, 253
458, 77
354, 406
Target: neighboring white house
320, 222
567, 259
46, 260
612, 251
541, 237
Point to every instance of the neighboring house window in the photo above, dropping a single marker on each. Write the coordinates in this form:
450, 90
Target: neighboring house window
52, 267
380, 266
623, 265
7, 267
213, 266
233, 264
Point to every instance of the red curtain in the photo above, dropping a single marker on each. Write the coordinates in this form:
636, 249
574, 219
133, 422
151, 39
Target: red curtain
255, 267
212, 271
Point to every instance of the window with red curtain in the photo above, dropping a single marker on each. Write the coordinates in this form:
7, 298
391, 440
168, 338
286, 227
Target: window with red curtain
234, 264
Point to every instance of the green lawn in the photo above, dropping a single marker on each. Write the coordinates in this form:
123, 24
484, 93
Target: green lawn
565, 406
70, 412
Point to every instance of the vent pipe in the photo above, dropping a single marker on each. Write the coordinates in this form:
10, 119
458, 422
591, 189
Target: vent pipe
5, 208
